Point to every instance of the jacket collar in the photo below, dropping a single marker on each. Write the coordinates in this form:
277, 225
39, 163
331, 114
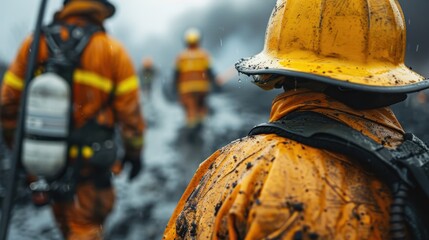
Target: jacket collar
379, 124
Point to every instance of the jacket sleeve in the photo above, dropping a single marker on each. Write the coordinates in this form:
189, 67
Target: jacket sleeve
126, 103
11, 89
176, 76
211, 75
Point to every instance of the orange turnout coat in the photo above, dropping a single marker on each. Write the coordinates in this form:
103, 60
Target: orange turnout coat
193, 82
270, 187
192, 66
104, 67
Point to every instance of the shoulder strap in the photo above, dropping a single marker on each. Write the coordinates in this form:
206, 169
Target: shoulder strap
408, 163
403, 169
67, 52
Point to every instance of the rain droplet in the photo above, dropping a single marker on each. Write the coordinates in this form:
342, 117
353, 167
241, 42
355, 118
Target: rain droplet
220, 40
417, 47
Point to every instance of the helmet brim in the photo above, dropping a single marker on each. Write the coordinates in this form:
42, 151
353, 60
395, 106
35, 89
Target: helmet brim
111, 7
371, 77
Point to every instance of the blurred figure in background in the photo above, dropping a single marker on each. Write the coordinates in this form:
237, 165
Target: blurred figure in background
193, 79
421, 98
4, 161
104, 94
306, 173
147, 75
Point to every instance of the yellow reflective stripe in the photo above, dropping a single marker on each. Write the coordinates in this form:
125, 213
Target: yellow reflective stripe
13, 81
127, 85
194, 86
135, 142
191, 65
93, 80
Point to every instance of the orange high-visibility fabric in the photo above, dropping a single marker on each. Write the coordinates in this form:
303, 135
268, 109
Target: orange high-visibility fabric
192, 65
105, 66
83, 218
195, 106
270, 187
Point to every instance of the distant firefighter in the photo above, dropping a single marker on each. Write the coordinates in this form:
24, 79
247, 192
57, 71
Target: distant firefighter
193, 78
147, 75
86, 90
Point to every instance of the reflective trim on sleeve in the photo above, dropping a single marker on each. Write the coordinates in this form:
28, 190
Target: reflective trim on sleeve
127, 85
93, 80
13, 81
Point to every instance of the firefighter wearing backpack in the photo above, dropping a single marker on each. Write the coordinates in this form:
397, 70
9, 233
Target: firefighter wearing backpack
344, 62
84, 72
193, 78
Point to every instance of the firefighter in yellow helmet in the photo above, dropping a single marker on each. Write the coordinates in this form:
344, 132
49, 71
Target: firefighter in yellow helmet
105, 95
303, 175
193, 77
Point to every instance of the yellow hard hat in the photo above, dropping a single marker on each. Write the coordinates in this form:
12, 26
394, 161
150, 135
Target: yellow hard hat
355, 44
192, 36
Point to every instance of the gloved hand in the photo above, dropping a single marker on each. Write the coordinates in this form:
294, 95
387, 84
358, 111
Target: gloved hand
135, 162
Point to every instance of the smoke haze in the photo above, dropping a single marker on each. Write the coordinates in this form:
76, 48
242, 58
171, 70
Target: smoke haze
231, 31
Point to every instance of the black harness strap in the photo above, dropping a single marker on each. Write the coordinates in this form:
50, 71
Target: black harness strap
64, 58
404, 169
67, 52
409, 163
